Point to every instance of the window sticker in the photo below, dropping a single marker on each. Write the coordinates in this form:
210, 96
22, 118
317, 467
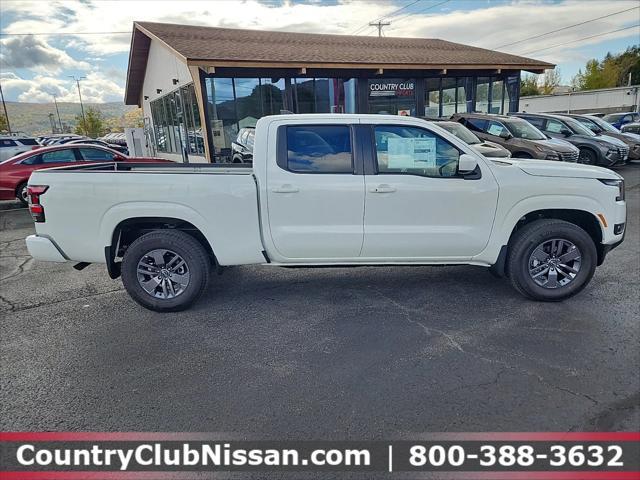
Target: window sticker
412, 153
495, 129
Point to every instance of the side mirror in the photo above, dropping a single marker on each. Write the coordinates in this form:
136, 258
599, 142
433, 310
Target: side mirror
118, 158
506, 135
467, 163
566, 132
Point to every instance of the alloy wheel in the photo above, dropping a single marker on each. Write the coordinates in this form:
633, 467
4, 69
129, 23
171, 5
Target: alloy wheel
163, 274
555, 263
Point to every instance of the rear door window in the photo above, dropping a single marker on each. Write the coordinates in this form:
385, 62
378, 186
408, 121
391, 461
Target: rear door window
7, 143
59, 156
28, 141
96, 155
319, 149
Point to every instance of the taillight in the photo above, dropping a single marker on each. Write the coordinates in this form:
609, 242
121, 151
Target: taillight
36, 210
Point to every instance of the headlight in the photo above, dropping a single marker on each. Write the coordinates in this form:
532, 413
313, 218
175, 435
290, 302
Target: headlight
615, 183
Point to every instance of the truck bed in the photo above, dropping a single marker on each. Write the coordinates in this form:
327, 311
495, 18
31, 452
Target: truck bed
85, 204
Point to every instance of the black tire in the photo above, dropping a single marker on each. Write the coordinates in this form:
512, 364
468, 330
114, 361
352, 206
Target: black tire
587, 157
197, 261
20, 194
529, 238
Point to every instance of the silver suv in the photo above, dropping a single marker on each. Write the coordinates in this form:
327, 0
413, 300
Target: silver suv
518, 136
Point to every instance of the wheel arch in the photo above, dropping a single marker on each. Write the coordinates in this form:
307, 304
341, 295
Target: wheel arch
584, 219
130, 229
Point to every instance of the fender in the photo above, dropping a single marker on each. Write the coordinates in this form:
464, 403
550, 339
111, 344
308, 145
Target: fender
505, 224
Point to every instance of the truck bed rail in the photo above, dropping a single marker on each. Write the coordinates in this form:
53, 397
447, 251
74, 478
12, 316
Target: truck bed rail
160, 167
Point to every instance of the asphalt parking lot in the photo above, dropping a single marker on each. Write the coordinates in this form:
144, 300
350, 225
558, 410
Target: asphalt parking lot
333, 353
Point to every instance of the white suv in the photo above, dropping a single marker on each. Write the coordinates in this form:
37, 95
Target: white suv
11, 146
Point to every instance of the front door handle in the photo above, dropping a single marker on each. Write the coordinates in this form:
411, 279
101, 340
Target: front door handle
383, 188
287, 188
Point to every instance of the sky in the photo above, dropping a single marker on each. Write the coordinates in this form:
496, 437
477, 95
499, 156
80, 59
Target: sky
43, 43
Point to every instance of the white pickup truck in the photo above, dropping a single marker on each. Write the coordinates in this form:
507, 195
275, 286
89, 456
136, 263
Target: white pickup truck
334, 189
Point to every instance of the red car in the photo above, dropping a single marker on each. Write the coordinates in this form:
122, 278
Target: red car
15, 172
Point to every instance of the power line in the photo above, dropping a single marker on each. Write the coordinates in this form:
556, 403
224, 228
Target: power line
566, 28
64, 33
419, 11
366, 25
580, 39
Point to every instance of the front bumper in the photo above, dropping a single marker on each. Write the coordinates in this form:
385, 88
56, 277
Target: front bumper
42, 248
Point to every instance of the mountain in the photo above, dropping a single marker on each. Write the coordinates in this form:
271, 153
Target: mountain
33, 118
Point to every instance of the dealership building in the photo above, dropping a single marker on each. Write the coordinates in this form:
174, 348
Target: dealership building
198, 86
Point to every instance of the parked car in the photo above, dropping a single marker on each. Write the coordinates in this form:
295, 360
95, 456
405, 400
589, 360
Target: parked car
619, 119
600, 127
57, 138
15, 172
90, 141
242, 147
488, 149
631, 128
521, 138
332, 189
11, 146
594, 149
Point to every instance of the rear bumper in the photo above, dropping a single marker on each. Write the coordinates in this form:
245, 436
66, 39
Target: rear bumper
42, 248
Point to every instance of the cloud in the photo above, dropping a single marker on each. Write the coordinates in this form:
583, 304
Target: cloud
35, 53
95, 88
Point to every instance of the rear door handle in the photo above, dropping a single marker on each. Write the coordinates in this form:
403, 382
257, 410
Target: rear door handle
285, 189
383, 188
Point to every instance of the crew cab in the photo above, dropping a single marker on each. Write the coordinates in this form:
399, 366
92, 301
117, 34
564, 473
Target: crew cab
331, 189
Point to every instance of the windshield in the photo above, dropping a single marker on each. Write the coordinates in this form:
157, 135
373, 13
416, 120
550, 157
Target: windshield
523, 129
461, 132
604, 125
578, 128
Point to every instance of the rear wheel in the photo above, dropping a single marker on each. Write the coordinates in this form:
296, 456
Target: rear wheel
21, 194
551, 260
587, 156
165, 270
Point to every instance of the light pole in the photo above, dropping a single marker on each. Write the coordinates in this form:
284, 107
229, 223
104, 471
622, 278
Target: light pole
84, 120
58, 112
4, 106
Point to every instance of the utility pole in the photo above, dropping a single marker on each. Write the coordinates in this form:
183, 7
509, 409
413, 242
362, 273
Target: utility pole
58, 112
379, 24
4, 106
84, 120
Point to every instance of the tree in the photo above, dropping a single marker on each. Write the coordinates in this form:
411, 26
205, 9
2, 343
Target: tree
4, 125
133, 118
550, 81
612, 71
95, 123
529, 86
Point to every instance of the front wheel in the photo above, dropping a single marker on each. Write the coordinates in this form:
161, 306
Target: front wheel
165, 270
550, 260
588, 157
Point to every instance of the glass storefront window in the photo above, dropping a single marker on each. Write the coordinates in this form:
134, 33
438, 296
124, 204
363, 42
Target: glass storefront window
432, 97
248, 101
482, 95
324, 95
272, 95
497, 87
392, 96
464, 94
511, 93
448, 97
